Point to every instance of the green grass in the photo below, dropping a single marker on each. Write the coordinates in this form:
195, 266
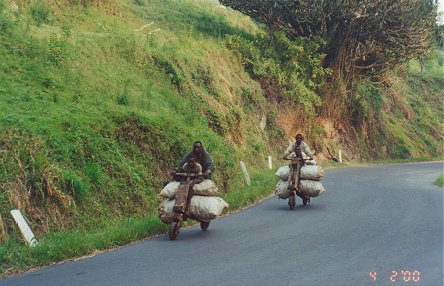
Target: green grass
96, 111
70, 244
440, 181
261, 186
61, 246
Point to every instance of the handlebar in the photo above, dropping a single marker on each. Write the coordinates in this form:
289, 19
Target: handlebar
291, 159
192, 175
302, 161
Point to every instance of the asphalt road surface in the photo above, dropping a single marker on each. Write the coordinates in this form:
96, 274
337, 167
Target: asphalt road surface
375, 225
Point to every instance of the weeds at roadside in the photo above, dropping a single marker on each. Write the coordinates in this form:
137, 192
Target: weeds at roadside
440, 181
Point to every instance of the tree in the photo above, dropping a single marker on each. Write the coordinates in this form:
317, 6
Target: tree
362, 37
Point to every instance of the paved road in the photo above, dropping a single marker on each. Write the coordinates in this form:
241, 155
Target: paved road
373, 224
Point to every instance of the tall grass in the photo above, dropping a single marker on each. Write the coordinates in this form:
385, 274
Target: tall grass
440, 181
60, 246
95, 111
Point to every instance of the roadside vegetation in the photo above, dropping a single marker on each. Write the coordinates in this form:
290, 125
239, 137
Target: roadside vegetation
440, 181
64, 245
100, 99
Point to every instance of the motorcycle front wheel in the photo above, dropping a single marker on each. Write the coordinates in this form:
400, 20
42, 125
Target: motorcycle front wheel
292, 201
174, 230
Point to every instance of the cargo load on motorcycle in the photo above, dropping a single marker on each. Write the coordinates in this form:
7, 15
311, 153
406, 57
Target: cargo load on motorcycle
204, 205
301, 178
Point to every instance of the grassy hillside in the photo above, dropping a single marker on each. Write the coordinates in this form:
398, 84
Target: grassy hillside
403, 120
100, 99
99, 102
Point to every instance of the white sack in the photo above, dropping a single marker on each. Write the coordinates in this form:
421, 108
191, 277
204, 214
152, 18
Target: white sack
281, 189
206, 188
283, 172
169, 191
207, 208
308, 187
311, 188
165, 211
309, 172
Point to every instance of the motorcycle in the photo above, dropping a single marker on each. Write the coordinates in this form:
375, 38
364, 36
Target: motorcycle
182, 203
294, 180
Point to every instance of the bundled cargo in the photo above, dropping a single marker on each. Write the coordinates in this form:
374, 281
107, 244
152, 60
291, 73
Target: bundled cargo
311, 188
169, 191
308, 172
165, 211
207, 208
282, 190
310, 185
205, 188
201, 208
312, 172
204, 205
283, 173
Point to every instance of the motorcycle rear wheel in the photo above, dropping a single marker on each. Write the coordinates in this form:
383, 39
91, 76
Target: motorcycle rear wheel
204, 225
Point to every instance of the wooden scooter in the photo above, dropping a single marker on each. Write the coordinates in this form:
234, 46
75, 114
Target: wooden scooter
182, 204
294, 181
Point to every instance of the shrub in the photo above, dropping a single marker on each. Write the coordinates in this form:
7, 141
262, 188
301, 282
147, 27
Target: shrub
40, 13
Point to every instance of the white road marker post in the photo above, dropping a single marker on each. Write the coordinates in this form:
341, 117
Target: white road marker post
244, 169
340, 156
24, 228
270, 165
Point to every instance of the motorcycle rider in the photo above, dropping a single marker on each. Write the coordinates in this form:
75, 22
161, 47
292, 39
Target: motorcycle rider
301, 144
299, 154
202, 157
192, 167
299, 148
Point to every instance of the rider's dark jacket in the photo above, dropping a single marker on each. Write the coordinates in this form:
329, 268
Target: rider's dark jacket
204, 160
